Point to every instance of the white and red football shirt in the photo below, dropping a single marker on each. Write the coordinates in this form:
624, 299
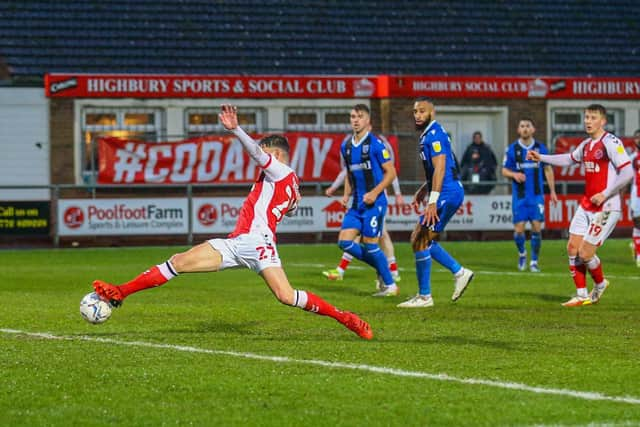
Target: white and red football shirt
635, 183
273, 194
602, 160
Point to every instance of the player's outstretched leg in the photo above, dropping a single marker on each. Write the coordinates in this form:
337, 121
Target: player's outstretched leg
277, 281
155, 276
314, 304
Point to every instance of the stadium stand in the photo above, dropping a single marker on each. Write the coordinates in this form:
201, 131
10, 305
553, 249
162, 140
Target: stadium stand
321, 37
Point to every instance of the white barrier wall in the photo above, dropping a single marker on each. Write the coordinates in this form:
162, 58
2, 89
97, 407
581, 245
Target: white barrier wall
217, 215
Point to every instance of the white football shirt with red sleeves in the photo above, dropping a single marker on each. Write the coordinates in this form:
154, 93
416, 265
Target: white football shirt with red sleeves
602, 160
273, 194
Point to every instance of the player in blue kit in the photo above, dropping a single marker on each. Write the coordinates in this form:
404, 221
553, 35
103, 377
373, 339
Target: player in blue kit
527, 191
369, 171
445, 197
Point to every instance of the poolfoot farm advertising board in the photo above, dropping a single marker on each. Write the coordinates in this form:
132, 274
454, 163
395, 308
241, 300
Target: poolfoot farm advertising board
102, 217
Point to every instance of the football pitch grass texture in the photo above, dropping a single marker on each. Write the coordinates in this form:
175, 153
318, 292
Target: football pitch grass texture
217, 349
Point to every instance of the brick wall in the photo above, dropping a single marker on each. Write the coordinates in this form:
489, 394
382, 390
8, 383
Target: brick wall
61, 131
401, 123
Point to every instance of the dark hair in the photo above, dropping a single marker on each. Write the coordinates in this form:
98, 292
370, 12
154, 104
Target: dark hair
528, 119
597, 107
424, 99
637, 132
477, 133
275, 141
362, 107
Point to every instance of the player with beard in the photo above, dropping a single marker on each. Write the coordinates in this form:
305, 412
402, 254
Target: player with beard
446, 194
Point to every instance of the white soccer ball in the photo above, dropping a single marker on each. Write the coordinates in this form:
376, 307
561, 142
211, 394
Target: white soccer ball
94, 309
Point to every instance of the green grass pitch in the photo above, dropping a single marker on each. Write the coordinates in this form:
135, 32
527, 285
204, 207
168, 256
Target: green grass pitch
217, 349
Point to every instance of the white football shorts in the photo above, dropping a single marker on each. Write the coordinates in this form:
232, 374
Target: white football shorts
253, 251
595, 227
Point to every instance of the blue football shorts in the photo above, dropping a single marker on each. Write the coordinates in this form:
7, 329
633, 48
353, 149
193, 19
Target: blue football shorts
523, 211
369, 220
448, 205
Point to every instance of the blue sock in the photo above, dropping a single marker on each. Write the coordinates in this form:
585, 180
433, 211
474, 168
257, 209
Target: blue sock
519, 239
374, 256
351, 247
439, 254
536, 243
423, 271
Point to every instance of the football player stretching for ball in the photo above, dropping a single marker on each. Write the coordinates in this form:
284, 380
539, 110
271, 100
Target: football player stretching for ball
607, 170
253, 242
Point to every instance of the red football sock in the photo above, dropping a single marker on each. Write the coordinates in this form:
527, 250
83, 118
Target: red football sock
317, 305
595, 270
393, 267
636, 240
345, 261
149, 279
578, 273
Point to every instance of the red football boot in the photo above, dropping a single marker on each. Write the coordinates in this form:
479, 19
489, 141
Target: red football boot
108, 292
357, 325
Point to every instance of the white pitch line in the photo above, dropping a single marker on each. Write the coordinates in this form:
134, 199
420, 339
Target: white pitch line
586, 395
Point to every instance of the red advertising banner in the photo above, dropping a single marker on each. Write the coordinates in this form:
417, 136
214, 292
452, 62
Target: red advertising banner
511, 87
212, 159
210, 86
384, 86
575, 172
559, 215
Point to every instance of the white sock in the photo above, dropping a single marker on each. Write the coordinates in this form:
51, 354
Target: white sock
582, 292
300, 299
167, 270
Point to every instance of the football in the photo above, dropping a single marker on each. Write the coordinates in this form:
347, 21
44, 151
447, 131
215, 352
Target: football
94, 309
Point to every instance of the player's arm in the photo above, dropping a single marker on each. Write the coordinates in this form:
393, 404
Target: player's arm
431, 211
623, 178
551, 159
518, 177
551, 182
229, 119
347, 192
396, 191
340, 179
389, 173
419, 196
509, 167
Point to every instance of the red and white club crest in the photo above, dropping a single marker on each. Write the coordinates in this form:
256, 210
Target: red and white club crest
207, 214
73, 217
598, 154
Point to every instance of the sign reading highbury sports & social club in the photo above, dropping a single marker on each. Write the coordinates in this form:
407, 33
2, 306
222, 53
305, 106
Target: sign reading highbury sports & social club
381, 86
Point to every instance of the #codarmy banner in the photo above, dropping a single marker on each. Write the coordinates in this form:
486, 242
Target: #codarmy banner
213, 159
